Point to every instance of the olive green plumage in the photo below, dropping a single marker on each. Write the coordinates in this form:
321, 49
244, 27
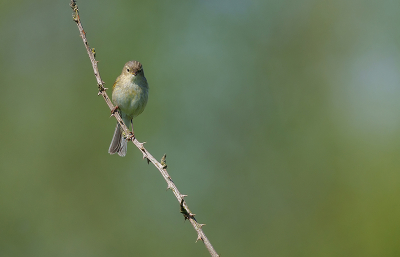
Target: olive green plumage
130, 94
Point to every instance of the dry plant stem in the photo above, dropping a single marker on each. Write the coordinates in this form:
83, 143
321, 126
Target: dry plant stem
102, 91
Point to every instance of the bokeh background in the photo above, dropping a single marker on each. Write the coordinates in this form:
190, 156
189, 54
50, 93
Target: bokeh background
280, 120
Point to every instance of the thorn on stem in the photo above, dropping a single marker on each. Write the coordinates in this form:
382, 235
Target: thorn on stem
141, 147
199, 238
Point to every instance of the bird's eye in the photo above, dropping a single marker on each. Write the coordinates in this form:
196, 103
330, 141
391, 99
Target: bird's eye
127, 70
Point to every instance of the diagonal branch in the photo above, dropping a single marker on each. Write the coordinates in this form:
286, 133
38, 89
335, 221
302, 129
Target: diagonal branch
162, 167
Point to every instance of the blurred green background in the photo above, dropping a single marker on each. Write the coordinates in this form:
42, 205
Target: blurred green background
280, 120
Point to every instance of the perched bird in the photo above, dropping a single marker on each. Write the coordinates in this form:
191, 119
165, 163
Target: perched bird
130, 94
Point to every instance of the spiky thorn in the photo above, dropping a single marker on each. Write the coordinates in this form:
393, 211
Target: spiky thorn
199, 238
141, 145
164, 161
145, 156
201, 225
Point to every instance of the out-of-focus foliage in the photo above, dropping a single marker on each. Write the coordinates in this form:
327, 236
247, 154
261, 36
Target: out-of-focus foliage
280, 120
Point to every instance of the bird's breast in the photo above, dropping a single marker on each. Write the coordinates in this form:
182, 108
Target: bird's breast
130, 98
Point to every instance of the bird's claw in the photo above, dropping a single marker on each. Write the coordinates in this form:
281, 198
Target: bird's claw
114, 110
131, 136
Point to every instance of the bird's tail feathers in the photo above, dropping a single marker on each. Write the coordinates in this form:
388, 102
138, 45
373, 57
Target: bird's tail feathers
118, 144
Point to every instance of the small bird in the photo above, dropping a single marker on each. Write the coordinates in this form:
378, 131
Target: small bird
130, 94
